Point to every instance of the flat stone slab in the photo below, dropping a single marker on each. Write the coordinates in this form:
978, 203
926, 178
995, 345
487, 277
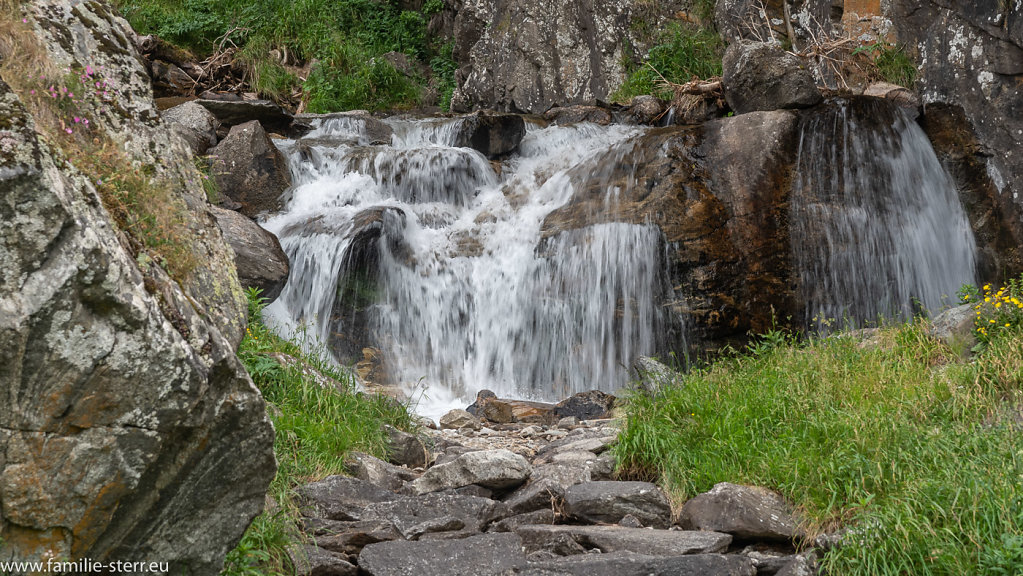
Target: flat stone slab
639, 565
636, 540
481, 555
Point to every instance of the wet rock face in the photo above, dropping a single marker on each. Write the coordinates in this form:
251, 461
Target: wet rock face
529, 55
127, 425
970, 58
718, 194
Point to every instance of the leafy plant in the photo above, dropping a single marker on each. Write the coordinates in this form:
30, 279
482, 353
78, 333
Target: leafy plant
996, 311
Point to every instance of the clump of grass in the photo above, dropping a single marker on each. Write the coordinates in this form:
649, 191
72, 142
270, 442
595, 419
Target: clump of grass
892, 62
316, 429
683, 52
912, 448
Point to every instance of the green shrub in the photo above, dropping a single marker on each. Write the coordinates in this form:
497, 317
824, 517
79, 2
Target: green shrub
910, 446
996, 311
682, 53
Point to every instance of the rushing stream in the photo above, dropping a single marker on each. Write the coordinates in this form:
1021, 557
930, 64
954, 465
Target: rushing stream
467, 296
422, 250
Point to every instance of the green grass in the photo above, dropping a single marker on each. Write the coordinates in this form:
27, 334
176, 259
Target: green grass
344, 37
316, 429
904, 442
682, 53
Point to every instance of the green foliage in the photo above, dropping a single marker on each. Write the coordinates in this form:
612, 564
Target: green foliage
345, 37
893, 64
910, 446
443, 66
317, 426
682, 53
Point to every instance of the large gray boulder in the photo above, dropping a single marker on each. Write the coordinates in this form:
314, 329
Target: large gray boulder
609, 502
494, 469
340, 498
761, 76
231, 112
481, 555
250, 170
128, 428
453, 514
746, 512
197, 125
258, 256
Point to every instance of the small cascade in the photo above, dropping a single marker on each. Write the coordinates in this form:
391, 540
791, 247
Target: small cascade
877, 228
420, 249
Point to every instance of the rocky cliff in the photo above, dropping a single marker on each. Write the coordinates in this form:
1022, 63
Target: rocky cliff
526, 56
129, 431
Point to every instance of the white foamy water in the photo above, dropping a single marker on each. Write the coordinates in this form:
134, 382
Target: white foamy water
877, 227
465, 294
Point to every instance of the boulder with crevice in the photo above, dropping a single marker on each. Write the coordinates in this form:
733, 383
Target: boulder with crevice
609, 502
494, 469
746, 512
195, 124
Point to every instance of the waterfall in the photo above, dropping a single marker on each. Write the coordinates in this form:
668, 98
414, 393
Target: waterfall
420, 249
876, 225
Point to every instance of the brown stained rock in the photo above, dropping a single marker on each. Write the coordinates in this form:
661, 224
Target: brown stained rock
719, 194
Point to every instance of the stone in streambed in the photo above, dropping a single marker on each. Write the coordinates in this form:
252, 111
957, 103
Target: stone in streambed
495, 469
250, 170
457, 419
340, 498
480, 555
635, 540
258, 256
747, 512
624, 564
311, 560
609, 502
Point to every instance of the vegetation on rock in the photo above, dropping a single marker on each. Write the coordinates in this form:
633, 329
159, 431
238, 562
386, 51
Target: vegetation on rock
910, 449
683, 52
340, 54
319, 418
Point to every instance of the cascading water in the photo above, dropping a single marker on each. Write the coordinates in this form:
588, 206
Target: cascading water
421, 249
877, 228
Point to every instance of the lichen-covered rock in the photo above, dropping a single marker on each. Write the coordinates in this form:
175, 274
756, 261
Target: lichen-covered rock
761, 76
969, 58
250, 170
128, 428
258, 256
195, 124
578, 113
